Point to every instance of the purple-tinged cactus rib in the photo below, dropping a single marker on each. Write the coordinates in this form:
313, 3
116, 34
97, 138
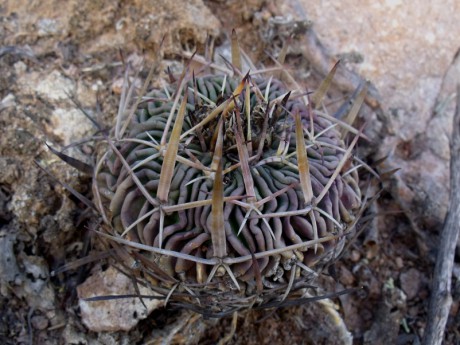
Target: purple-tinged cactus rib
250, 188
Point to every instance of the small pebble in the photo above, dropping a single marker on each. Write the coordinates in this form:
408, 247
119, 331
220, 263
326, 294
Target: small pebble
355, 256
39, 322
410, 282
346, 277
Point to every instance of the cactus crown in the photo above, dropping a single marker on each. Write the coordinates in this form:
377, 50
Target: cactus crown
227, 189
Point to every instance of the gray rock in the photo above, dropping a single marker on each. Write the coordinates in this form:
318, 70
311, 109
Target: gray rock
410, 282
113, 314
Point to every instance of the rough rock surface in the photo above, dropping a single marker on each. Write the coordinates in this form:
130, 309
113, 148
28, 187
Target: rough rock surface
113, 314
410, 282
104, 25
407, 50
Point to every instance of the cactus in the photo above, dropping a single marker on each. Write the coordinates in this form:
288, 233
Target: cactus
227, 191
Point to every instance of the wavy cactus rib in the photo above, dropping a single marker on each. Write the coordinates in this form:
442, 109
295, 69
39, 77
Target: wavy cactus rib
247, 189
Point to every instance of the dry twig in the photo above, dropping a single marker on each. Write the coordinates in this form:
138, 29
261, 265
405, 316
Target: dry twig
441, 298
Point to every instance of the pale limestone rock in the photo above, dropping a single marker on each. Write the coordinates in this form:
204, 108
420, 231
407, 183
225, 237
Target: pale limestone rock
66, 121
113, 314
54, 86
408, 50
70, 124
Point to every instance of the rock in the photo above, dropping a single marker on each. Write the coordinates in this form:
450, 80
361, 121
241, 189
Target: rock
355, 256
408, 56
186, 23
36, 287
113, 314
387, 317
346, 277
404, 34
65, 120
54, 86
47, 27
39, 322
329, 327
7, 102
69, 125
71, 335
399, 262
9, 270
105, 25
410, 281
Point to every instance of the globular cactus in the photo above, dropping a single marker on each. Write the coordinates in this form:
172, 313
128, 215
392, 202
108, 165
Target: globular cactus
227, 190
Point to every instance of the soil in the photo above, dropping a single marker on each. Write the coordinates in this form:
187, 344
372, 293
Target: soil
59, 58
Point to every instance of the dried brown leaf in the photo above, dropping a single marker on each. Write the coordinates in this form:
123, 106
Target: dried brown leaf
319, 94
169, 160
219, 241
302, 161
